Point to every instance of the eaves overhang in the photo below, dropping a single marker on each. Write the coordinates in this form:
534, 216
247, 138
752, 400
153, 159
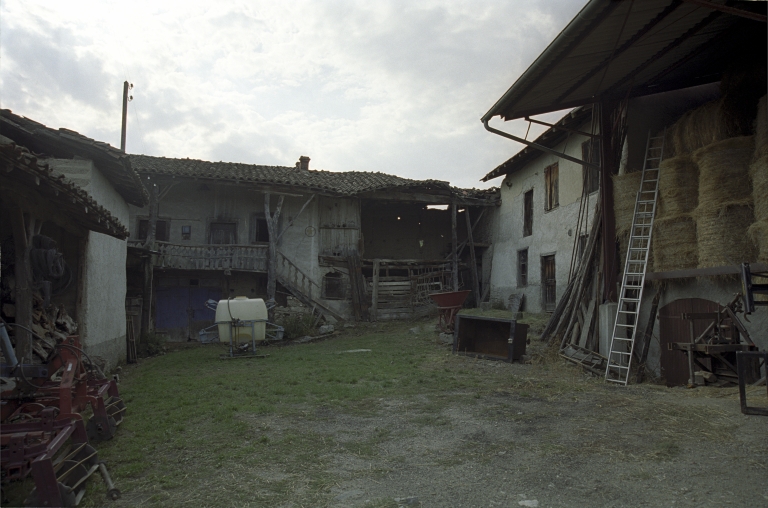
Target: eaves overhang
619, 48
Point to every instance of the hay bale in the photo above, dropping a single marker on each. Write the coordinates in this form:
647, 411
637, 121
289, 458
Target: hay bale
724, 171
721, 234
678, 187
625, 189
758, 173
758, 232
707, 124
674, 243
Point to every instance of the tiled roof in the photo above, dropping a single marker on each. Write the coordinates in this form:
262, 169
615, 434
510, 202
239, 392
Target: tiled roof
73, 205
65, 143
348, 183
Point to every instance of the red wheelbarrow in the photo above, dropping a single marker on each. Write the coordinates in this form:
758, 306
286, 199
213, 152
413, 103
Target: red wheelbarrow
448, 305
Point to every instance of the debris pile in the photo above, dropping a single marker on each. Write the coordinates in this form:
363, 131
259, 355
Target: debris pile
50, 325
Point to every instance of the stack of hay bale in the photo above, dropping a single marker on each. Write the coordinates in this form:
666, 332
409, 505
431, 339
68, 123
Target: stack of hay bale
758, 173
674, 229
625, 189
725, 202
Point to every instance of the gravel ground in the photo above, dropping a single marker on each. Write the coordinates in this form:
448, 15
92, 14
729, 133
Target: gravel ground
597, 445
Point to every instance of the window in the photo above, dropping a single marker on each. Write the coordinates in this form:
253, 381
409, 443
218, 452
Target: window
258, 230
334, 286
223, 233
548, 285
161, 230
552, 199
522, 268
186, 232
528, 213
590, 152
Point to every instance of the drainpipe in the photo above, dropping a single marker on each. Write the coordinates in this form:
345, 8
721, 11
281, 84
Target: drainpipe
538, 146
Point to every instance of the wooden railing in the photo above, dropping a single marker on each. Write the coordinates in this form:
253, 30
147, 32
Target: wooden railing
210, 257
292, 274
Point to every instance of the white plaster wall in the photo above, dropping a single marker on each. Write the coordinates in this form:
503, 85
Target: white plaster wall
101, 308
554, 231
101, 313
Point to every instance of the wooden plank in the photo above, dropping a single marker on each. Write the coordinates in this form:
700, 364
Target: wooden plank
375, 291
645, 343
357, 284
589, 319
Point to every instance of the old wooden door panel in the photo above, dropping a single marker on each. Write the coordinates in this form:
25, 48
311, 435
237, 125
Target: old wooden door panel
200, 315
548, 283
673, 328
171, 305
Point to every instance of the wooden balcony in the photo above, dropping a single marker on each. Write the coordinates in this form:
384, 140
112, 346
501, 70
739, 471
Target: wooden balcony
251, 258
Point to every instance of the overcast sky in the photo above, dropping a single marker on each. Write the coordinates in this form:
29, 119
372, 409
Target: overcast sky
397, 87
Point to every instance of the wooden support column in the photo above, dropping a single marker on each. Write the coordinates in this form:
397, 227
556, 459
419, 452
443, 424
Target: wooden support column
272, 220
454, 248
475, 281
148, 282
609, 163
375, 290
23, 287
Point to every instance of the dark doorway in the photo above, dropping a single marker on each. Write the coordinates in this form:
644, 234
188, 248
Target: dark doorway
548, 283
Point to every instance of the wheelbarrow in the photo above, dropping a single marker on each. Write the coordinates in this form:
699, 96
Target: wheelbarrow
448, 305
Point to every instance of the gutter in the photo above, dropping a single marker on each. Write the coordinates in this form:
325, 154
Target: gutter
538, 146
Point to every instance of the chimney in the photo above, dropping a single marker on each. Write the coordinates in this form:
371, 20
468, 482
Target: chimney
304, 163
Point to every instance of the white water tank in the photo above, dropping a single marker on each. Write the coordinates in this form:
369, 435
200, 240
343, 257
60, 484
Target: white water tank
244, 309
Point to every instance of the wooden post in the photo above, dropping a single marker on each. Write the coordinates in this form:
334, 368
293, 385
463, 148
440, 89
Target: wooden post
454, 242
272, 257
475, 282
149, 244
23, 288
375, 291
608, 163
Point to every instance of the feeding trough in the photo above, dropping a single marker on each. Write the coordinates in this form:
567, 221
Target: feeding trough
448, 304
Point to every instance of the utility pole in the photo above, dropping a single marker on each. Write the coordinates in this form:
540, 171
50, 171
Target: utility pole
126, 86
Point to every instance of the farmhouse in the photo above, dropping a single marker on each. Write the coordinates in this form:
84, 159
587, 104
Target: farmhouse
348, 245
675, 88
65, 201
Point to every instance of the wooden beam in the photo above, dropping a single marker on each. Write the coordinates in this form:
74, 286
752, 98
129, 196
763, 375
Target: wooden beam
705, 272
473, 271
454, 242
432, 199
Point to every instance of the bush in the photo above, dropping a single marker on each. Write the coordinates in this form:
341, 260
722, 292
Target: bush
297, 325
152, 344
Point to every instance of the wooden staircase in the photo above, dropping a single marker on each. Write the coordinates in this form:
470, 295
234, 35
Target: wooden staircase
302, 287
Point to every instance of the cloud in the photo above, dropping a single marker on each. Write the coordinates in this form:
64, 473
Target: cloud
396, 86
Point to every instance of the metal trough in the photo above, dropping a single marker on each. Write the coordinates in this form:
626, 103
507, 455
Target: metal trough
491, 338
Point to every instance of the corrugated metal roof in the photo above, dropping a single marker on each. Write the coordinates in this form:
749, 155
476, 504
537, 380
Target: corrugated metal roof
615, 48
